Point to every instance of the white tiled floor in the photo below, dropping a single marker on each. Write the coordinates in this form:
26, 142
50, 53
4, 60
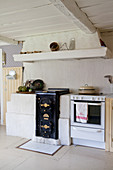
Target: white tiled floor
67, 158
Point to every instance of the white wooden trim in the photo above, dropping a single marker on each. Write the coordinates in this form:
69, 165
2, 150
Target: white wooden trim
70, 9
8, 40
111, 112
68, 54
107, 125
1, 87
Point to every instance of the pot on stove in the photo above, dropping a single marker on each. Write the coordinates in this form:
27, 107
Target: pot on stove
87, 89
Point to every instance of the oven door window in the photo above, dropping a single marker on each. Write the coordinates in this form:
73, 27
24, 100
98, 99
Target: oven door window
94, 113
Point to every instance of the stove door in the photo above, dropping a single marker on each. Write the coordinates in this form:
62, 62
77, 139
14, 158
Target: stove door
47, 113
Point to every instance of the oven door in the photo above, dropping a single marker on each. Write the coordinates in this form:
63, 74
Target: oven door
96, 114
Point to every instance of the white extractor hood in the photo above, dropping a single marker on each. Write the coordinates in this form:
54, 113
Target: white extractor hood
102, 52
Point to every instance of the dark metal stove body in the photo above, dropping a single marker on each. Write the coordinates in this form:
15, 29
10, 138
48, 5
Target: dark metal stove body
47, 112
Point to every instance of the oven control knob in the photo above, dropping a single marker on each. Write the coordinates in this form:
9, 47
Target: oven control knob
76, 97
73, 97
81, 98
92, 98
101, 98
98, 98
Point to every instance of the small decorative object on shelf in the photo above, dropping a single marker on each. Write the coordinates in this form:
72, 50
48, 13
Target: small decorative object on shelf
54, 46
72, 44
64, 46
30, 52
37, 51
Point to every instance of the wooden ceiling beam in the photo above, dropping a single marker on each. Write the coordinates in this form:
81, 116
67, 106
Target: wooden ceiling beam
9, 40
70, 9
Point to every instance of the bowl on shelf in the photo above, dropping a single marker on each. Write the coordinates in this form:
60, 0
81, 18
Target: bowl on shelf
54, 46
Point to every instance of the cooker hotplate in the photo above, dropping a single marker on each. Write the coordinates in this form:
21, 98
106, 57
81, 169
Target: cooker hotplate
59, 91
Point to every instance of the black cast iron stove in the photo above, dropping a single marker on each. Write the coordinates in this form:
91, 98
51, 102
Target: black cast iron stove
47, 112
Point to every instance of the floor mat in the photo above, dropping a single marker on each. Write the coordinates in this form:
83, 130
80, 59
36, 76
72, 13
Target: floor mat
40, 147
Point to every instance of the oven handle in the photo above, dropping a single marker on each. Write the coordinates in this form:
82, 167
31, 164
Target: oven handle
94, 104
87, 129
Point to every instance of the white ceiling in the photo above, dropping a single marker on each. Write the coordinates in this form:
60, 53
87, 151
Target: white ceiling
100, 13
21, 18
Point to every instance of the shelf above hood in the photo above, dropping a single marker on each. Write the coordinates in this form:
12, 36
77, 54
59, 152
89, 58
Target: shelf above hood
102, 52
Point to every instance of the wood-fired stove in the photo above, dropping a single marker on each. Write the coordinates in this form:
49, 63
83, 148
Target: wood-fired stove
47, 112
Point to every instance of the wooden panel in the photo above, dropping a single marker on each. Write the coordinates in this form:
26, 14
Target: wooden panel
31, 18
102, 18
107, 125
104, 24
85, 3
109, 29
34, 17
10, 86
98, 9
100, 12
28, 24
41, 12
35, 23
39, 30
74, 13
111, 125
15, 5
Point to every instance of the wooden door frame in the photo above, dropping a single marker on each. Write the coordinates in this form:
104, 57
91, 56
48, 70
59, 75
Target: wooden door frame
111, 125
1, 87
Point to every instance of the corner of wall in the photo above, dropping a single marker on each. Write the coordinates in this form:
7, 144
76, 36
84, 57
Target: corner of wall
107, 37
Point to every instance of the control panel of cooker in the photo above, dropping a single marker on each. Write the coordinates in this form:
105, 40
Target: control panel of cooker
88, 97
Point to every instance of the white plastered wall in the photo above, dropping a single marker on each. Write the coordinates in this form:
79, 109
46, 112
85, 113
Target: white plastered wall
42, 42
69, 73
72, 73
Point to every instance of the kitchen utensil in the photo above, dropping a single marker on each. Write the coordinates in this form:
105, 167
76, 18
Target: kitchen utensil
87, 89
37, 85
